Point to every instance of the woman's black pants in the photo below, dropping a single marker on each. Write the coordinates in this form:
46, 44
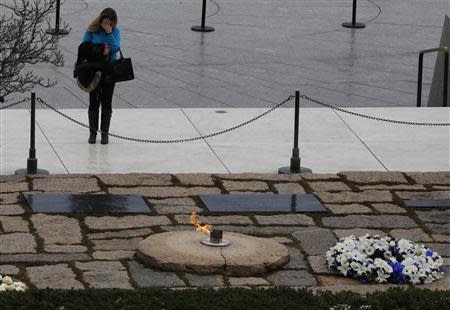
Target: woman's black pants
101, 96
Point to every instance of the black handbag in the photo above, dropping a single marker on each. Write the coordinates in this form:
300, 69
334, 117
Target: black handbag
120, 70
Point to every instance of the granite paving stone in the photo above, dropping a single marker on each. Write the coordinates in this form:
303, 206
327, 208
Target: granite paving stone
354, 221
113, 255
125, 222
318, 264
146, 277
320, 176
329, 186
17, 243
260, 176
282, 240
358, 232
54, 248
292, 278
245, 186
373, 177
434, 216
8, 187
135, 179
439, 228
53, 276
173, 202
196, 179
126, 233
355, 197
348, 209
248, 281
441, 238
209, 280
117, 244
163, 192
11, 210
442, 178
314, 240
388, 208
417, 234
405, 187
14, 224
296, 259
289, 188
424, 195
9, 270
57, 229
439, 187
42, 258
70, 185
284, 219
167, 209
226, 219
6, 199
442, 248
102, 274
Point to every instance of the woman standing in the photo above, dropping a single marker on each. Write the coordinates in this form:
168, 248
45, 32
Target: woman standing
103, 30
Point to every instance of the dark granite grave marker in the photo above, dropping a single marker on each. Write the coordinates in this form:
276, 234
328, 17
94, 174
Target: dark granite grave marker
427, 203
93, 204
262, 203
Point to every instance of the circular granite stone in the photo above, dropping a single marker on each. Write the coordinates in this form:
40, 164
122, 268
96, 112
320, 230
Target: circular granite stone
182, 251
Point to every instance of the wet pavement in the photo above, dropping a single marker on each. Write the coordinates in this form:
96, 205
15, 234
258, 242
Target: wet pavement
260, 52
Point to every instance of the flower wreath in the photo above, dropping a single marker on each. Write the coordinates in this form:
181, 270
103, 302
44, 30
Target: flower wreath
8, 284
372, 258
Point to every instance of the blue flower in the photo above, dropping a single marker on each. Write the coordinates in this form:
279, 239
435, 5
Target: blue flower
395, 250
429, 253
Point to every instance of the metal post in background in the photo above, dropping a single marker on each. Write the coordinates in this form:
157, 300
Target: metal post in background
203, 28
32, 160
57, 30
443, 49
295, 166
353, 23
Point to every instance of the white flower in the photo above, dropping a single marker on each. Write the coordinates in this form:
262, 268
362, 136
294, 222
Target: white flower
2, 287
7, 280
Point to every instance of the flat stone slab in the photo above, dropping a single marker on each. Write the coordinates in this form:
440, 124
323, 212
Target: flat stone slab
262, 203
94, 204
427, 203
182, 251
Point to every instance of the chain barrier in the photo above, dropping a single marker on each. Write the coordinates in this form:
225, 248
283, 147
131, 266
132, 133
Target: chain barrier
14, 104
45, 104
373, 117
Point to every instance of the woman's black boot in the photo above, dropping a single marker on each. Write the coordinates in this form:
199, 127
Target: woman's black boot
93, 126
104, 126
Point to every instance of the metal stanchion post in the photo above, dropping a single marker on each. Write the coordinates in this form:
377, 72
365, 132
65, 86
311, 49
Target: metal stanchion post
203, 28
32, 160
56, 30
353, 23
295, 159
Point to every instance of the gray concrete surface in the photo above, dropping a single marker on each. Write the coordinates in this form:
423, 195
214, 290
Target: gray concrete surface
260, 52
329, 141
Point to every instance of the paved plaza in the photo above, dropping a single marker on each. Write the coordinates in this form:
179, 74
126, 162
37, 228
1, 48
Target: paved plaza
80, 251
260, 52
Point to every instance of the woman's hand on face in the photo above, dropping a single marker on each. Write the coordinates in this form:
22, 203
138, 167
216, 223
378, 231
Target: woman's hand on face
106, 25
106, 50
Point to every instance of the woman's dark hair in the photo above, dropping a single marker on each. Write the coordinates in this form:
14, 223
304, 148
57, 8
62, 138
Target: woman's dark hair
106, 13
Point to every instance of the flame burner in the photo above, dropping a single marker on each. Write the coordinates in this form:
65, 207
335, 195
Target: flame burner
215, 239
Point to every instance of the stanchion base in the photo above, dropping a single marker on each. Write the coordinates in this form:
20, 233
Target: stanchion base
202, 29
353, 25
287, 170
59, 32
24, 171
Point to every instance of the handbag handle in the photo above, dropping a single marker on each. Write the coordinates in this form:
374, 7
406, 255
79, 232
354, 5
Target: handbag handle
120, 51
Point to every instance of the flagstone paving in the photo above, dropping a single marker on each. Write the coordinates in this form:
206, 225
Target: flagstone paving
82, 251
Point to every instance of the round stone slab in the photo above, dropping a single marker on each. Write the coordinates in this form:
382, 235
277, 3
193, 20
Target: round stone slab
183, 251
